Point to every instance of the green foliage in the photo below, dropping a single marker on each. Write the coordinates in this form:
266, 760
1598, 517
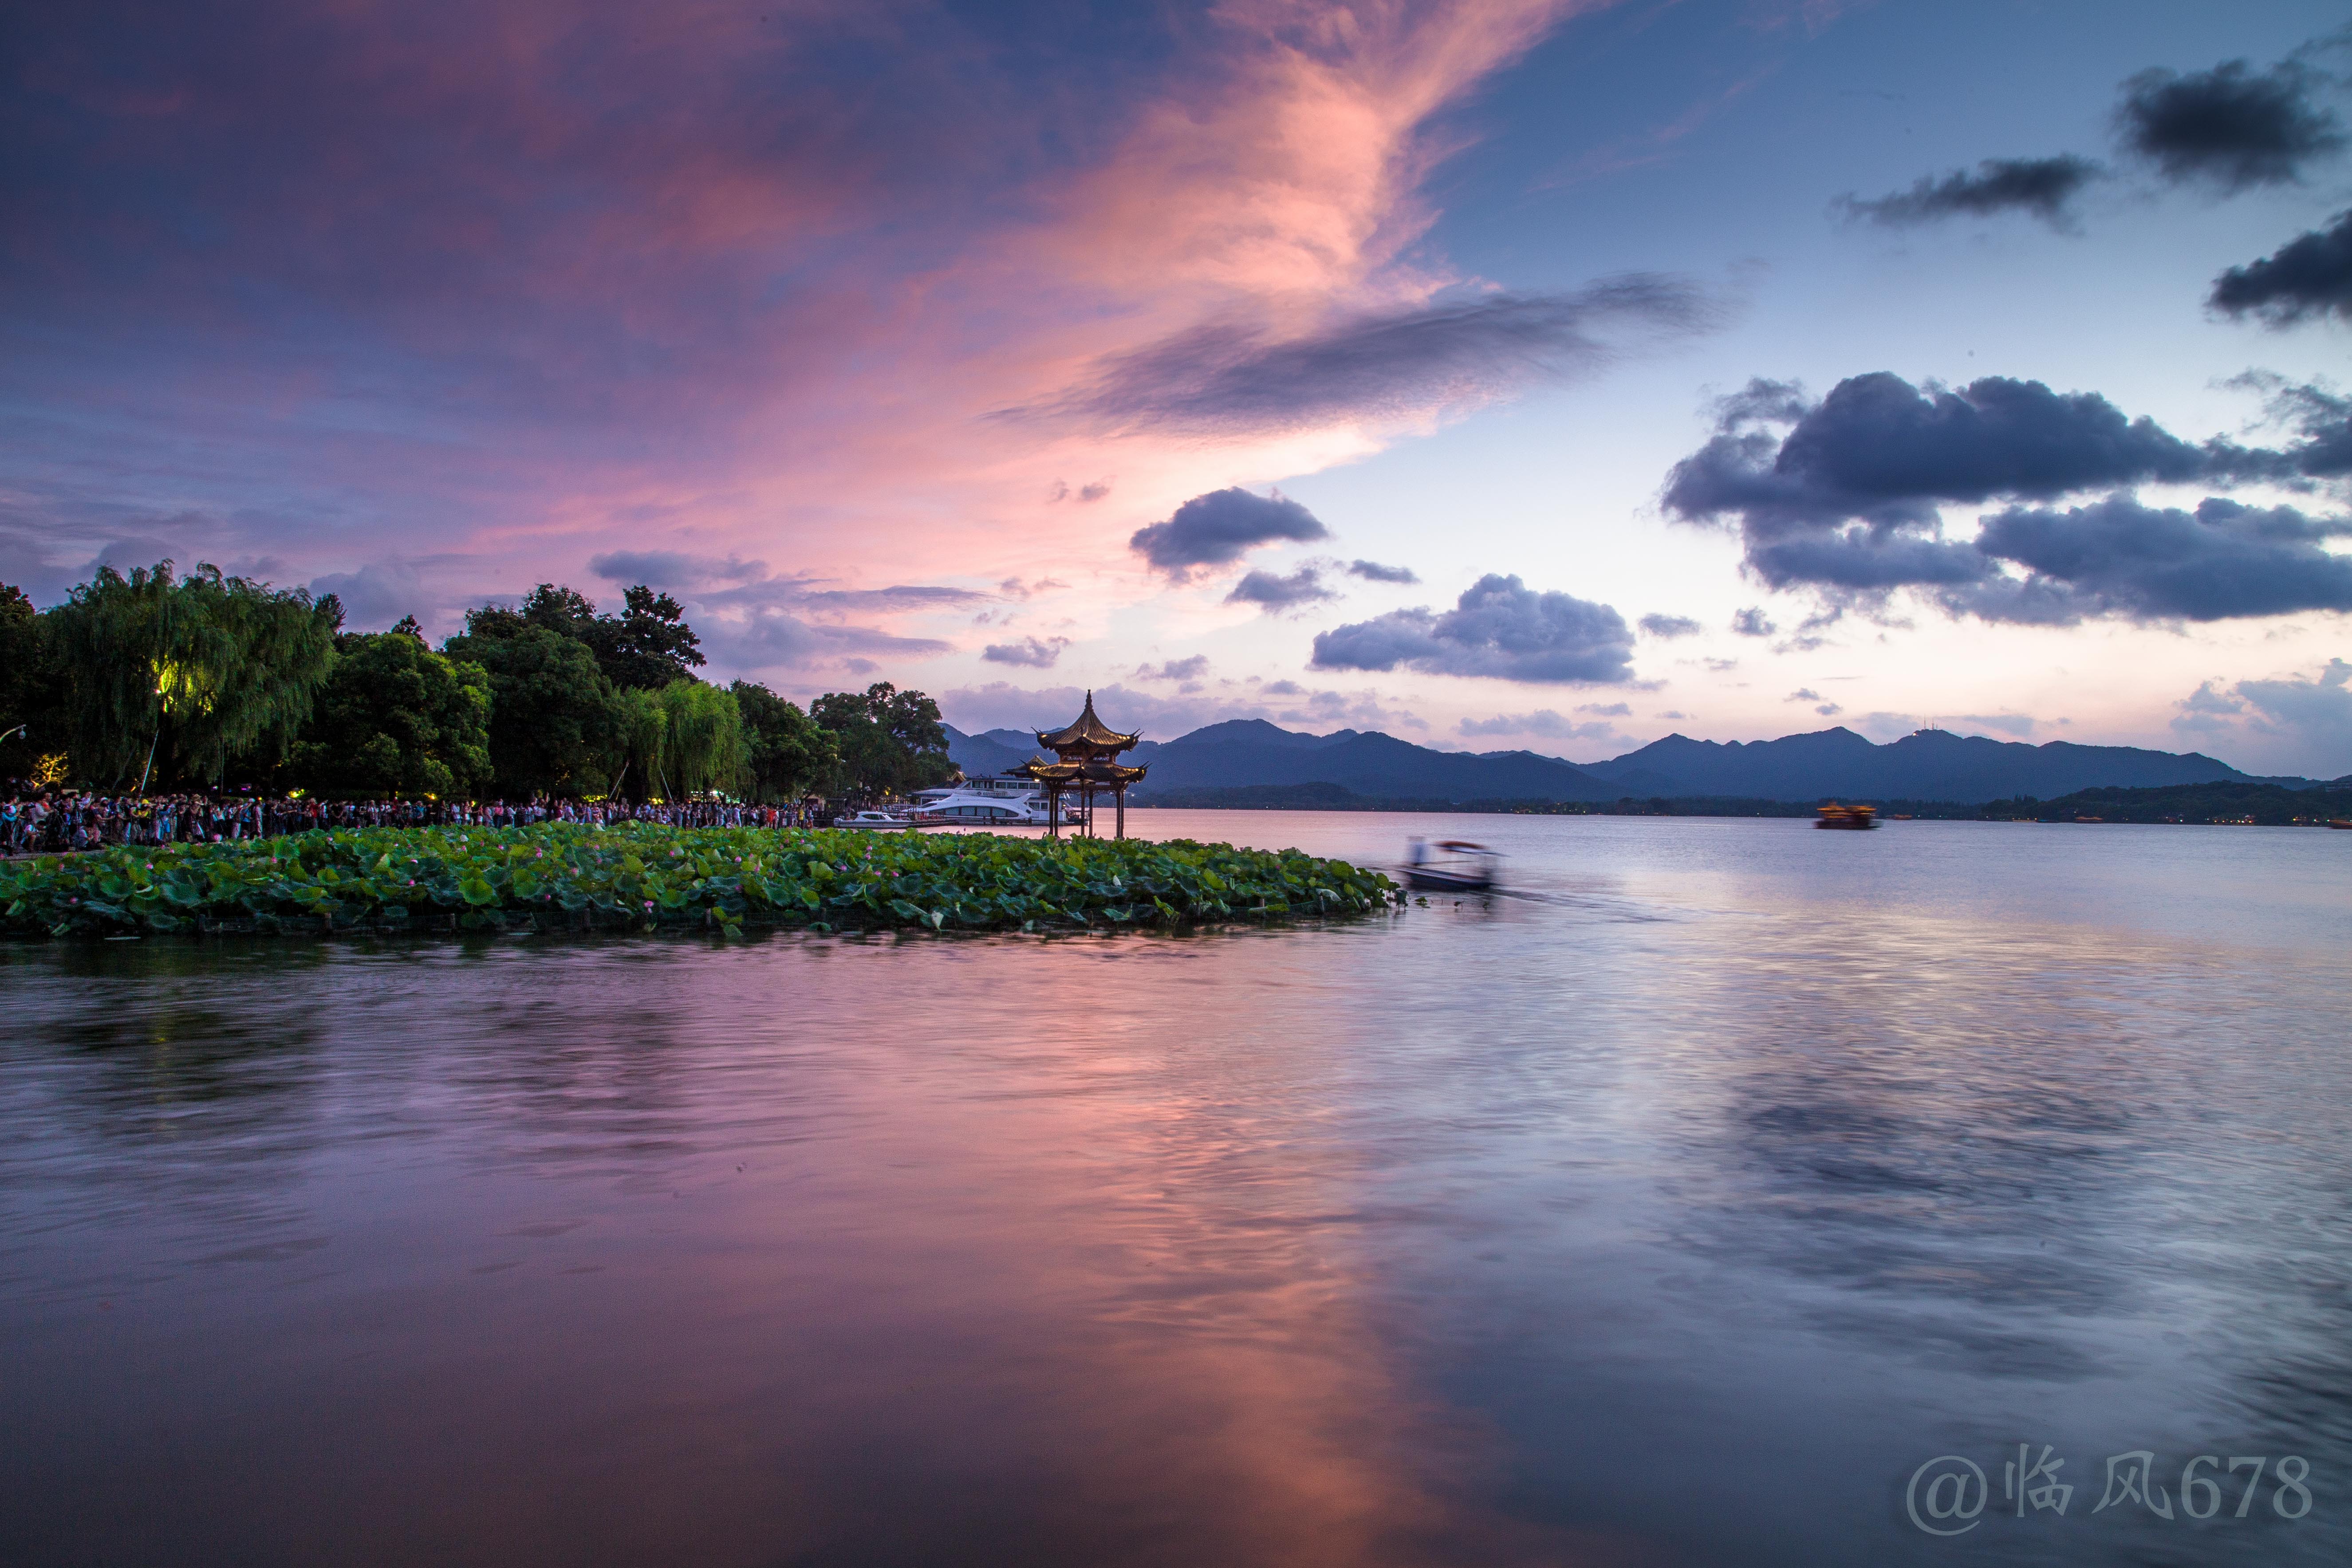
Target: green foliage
641, 755
556, 722
889, 741
195, 672
791, 753
641, 876
685, 739
396, 719
707, 749
33, 689
645, 648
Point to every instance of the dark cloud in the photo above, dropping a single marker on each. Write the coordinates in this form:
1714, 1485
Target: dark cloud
1373, 572
674, 568
2321, 416
735, 582
1752, 622
751, 618
1668, 625
1500, 628
1543, 724
764, 638
376, 596
1015, 588
1232, 378
1879, 450
899, 596
1031, 653
1215, 528
2230, 126
1304, 587
2311, 275
1803, 694
2119, 558
1191, 669
2312, 713
1849, 501
2040, 187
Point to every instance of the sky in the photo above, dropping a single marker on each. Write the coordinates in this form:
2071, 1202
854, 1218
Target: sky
1544, 374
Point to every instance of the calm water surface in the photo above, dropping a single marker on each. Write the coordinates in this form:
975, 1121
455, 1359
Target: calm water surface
1674, 1212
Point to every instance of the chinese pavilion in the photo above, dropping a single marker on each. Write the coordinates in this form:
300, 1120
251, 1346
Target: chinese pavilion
1086, 760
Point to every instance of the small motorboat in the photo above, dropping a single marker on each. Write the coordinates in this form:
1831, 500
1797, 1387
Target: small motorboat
1836, 816
1451, 866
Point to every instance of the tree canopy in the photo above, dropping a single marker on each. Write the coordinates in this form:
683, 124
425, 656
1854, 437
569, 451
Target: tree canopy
556, 723
645, 648
686, 739
215, 673
890, 742
791, 753
397, 719
192, 672
32, 689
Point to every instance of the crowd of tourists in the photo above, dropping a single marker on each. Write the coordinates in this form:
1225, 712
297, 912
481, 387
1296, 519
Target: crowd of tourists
51, 822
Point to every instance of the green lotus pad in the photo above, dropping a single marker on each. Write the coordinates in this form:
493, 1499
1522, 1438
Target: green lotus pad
644, 876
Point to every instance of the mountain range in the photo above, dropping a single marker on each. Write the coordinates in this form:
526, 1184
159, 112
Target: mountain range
1930, 764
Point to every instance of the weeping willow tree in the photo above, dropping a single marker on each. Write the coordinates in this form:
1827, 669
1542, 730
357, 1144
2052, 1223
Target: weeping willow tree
175, 677
707, 749
643, 736
685, 739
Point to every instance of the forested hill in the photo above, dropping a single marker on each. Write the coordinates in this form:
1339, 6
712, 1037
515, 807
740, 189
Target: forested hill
1931, 765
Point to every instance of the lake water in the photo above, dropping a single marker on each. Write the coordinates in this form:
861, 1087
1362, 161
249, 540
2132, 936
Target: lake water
1677, 1210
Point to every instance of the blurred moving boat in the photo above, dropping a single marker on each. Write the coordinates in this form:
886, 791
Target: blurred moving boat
1836, 816
881, 819
1451, 866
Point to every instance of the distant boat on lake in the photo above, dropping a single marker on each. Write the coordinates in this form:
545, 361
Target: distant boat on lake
1836, 816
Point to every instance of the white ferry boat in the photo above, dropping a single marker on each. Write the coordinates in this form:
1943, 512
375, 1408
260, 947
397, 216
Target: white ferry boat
990, 803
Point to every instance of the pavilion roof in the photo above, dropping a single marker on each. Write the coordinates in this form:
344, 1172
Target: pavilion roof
1098, 772
1087, 734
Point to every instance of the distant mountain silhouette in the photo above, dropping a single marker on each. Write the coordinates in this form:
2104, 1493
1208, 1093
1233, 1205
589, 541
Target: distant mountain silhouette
984, 754
1932, 764
1252, 752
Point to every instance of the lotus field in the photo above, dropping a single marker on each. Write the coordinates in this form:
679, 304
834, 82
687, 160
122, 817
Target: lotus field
645, 877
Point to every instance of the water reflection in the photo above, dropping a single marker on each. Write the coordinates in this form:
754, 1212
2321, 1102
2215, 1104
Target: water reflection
1667, 1214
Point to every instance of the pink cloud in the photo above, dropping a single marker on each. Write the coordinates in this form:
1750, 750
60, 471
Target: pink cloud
463, 295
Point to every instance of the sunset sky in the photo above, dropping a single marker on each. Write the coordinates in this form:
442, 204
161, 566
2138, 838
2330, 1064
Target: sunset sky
1500, 374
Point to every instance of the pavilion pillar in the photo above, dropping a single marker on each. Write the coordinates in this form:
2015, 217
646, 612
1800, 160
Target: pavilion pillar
1122, 811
